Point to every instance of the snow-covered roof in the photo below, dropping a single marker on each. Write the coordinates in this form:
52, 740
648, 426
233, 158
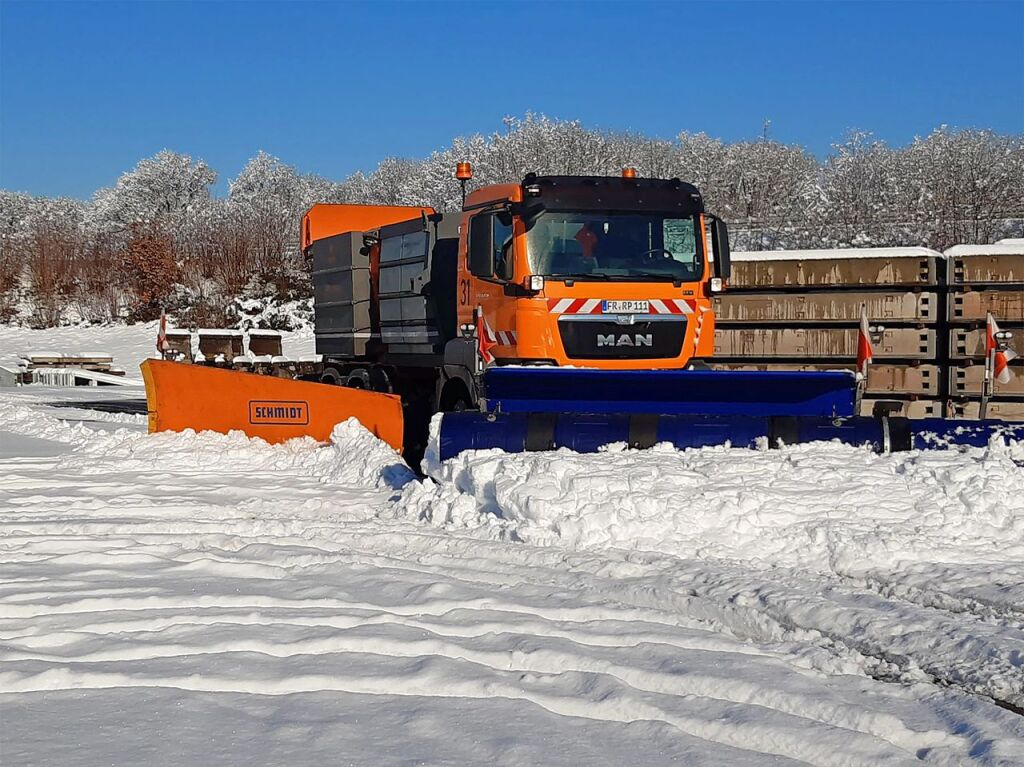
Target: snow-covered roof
269, 333
219, 332
50, 355
1011, 241
1002, 248
834, 253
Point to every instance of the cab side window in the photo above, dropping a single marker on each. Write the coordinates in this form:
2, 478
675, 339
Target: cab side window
490, 247
503, 261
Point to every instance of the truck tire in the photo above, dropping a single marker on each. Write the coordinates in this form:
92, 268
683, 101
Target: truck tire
454, 397
331, 376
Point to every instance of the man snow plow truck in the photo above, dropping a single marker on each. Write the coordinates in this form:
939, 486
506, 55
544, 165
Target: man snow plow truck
562, 311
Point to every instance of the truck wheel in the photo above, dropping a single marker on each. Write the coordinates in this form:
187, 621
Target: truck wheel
455, 398
358, 379
330, 376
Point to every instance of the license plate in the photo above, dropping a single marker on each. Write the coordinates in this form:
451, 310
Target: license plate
626, 307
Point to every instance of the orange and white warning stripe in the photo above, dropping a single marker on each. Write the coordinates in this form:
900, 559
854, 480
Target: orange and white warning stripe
505, 337
596, 306
700, 327
491, 337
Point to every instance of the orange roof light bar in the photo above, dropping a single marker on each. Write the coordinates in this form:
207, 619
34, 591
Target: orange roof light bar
629, 172
463, 171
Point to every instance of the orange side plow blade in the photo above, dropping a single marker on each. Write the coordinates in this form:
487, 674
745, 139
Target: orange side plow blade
183, 396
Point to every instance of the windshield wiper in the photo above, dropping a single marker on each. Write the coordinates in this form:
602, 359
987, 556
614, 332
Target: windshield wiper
655, 276
634, 277
591, 275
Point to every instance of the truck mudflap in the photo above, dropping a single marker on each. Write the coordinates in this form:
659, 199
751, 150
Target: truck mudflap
181, 396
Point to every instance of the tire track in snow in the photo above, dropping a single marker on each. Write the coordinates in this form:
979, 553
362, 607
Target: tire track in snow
288, 556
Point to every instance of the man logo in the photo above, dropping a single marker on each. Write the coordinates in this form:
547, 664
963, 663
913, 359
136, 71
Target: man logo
279, 413
637, 340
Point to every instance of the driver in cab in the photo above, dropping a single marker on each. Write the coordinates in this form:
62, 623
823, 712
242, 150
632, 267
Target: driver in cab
612, 247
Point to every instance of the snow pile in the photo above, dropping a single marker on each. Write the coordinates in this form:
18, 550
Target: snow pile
196, 598
354, 457
824, 507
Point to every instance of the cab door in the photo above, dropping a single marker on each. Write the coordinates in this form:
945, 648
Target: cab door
489, 270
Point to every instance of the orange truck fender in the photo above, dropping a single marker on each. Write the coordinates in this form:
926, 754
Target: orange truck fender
182, 396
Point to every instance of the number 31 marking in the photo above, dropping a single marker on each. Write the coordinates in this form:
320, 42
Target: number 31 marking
464, 292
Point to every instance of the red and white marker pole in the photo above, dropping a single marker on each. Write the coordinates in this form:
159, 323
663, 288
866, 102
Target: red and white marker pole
865, 353
997, 361
162, 345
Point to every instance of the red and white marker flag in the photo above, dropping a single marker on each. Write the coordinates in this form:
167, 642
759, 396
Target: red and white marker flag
864, 349
997, 360
486, 339
161, 336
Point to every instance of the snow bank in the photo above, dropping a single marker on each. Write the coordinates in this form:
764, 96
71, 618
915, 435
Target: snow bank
188, 598
354, 457
824, 507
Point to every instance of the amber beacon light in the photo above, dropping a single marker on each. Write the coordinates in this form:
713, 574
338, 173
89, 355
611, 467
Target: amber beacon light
629, 172
463, 172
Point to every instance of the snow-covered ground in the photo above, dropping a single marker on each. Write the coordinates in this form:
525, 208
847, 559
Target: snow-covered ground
130, 344
209, 599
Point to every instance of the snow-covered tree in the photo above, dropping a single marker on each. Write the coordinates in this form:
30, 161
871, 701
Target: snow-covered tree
158, 238
161, 190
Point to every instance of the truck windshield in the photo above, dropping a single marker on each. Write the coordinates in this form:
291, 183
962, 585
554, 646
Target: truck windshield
614, 246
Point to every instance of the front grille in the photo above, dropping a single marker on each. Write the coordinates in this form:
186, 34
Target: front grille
610, 340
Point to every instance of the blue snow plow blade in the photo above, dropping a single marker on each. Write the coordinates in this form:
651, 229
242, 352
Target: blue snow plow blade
538, 408
669, 392
583, 433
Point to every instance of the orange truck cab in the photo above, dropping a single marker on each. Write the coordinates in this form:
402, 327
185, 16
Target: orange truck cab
601, 272
613, 273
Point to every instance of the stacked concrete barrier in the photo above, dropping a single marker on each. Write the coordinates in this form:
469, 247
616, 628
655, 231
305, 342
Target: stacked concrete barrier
799, 310
982, 279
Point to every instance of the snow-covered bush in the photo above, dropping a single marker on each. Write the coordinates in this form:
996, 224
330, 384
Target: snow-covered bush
159, 240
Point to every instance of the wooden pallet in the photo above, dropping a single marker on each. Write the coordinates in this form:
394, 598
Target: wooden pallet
821, 343
832, 307
985, 270
974, 305
918, 408
969, 343
997, 409
968, 379
911, 271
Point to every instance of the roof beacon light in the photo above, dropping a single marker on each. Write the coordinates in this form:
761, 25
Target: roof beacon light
629, 172
463, 171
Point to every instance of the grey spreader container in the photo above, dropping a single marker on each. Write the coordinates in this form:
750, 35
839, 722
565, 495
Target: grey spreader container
411, 308
342, 295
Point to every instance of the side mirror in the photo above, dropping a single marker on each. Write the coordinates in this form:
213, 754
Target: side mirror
481, 247
720, 247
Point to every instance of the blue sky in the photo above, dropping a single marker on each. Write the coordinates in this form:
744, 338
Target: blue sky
88, 89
